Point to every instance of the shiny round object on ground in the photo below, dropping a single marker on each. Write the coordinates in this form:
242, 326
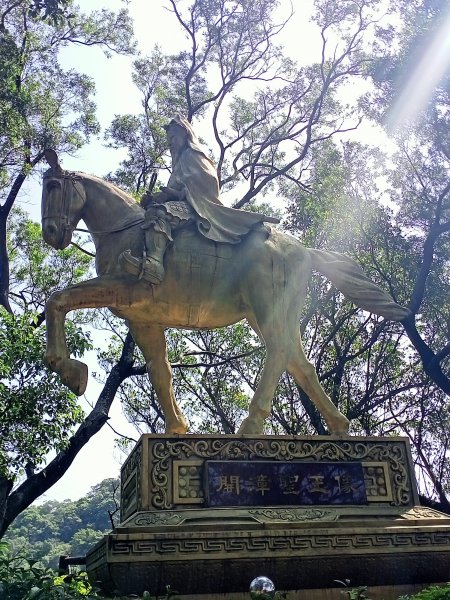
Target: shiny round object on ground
262, 588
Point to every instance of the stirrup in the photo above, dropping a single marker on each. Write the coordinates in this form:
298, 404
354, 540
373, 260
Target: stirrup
149, 270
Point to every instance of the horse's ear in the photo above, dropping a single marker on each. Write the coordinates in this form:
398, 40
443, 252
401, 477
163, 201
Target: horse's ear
52, 158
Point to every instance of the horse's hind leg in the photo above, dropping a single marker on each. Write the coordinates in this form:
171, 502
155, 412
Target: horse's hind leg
276, 308
152, 342
285, 352
299, 366
305, 375
261, 404
268, 326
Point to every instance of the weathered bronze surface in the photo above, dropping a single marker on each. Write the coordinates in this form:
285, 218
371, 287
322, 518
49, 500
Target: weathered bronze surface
169, 535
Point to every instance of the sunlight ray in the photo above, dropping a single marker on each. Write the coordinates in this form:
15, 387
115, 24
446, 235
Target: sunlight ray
423, 81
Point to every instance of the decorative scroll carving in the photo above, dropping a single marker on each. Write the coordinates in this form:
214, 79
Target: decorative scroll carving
160, 518
294, 515
422, 512
397, 492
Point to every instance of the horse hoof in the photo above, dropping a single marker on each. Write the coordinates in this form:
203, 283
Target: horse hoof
340, 426
75, 375
179, 428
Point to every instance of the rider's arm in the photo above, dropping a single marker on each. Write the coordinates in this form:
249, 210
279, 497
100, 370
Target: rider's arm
164, 195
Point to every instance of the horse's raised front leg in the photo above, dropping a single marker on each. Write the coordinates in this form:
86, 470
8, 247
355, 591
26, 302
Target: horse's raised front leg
94, 293
152, 342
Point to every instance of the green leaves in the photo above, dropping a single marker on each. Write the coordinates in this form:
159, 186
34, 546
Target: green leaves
43, 105
37, 270
432, 593
51, 529
53, 11
37, 413
21, 579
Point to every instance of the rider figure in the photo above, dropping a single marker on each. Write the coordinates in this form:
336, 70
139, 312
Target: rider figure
191, 195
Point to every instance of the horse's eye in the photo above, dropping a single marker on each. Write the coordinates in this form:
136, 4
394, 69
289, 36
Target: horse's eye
51, 185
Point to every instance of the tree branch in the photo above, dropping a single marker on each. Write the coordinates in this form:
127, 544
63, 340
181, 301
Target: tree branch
39, 483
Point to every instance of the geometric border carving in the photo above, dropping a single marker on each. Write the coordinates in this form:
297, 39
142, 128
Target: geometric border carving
187, 482
177, 548
378, 483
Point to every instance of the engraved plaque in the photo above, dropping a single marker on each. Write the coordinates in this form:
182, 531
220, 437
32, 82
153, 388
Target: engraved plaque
261, 483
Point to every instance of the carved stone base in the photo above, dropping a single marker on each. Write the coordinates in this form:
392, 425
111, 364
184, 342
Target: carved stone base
173, 533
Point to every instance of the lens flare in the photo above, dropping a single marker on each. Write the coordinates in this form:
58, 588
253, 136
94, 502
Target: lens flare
423, 81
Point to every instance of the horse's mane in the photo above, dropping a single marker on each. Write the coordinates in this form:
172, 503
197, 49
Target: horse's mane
113, 187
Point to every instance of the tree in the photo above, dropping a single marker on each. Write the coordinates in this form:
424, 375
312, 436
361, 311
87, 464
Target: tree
42, 105
417, 116
231, 49
38, 413
70, 528
420, 178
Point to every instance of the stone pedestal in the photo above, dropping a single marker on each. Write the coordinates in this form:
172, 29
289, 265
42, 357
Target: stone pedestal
195, 515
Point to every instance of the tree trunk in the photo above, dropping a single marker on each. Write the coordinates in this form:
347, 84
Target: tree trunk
12, 504
4, 262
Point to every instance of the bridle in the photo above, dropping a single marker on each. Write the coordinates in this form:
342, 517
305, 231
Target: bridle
62, 217
69, 177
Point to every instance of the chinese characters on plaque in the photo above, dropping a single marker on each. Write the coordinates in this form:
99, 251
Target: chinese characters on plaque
258, 483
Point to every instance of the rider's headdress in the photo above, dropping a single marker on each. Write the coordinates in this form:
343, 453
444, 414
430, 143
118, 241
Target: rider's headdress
191, 137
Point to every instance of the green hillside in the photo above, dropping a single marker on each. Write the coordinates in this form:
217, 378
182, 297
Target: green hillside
71, 527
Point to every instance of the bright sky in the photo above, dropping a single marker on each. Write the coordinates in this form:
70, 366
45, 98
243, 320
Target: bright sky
433, 64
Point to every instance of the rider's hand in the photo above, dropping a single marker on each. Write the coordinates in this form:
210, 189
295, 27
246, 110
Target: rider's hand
147, 199
172, 194
164, 195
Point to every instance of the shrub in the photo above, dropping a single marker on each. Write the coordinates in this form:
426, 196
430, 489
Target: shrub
21, 579
358, 593
431, 593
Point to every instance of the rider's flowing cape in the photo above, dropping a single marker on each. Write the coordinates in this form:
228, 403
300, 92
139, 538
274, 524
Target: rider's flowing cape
194, 173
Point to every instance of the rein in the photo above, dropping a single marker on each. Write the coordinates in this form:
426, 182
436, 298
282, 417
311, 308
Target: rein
116, 230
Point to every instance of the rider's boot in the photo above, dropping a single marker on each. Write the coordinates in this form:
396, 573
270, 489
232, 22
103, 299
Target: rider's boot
151, 266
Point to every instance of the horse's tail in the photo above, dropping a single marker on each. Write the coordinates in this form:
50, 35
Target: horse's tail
349, 278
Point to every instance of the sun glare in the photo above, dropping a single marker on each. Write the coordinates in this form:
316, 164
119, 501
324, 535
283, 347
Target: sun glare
423, 80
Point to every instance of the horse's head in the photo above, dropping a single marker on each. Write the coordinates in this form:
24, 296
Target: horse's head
63, 199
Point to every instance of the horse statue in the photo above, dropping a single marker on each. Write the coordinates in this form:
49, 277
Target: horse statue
207, 285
